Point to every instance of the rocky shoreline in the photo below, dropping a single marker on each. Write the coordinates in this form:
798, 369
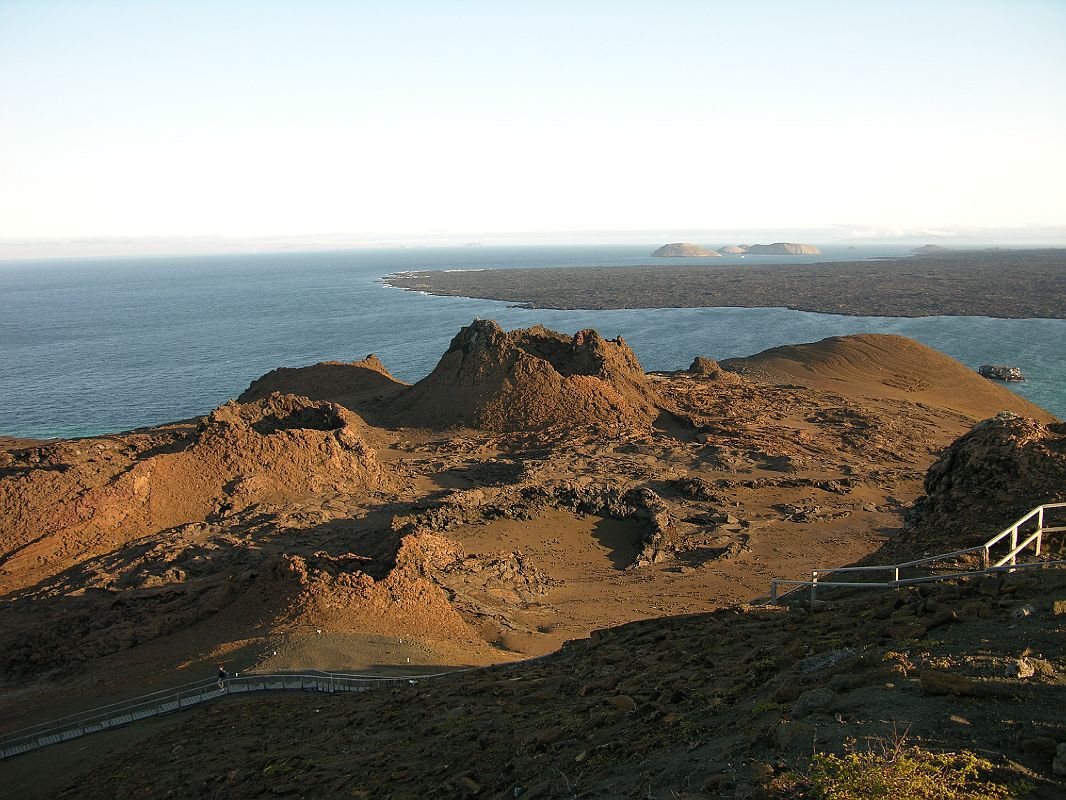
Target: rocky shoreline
1009, 284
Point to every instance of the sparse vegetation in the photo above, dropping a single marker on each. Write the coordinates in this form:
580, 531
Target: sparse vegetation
895, 769
769, 705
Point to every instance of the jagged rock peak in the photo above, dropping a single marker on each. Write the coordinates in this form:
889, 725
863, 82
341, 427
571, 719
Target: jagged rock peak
481, 334
527, 379
584, 353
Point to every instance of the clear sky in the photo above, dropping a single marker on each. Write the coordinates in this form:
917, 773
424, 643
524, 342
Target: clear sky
404, 118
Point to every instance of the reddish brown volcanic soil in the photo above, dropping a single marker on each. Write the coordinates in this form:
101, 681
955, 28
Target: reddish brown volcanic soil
879, 365
358, 385
530, 379
534, 488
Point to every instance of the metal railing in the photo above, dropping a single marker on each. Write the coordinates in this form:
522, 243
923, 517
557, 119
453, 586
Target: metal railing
947, 565
167, 701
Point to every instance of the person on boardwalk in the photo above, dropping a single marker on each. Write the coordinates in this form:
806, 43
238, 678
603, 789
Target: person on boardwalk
222, 677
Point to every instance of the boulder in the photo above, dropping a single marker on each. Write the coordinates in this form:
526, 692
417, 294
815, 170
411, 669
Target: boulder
935, 681
711, 370
1058, 764
794, 737
1020, 668
814, 701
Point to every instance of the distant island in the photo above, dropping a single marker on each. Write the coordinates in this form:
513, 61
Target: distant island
683, 250
930, 248
1008, 284
775, 249
783, 249
689, 250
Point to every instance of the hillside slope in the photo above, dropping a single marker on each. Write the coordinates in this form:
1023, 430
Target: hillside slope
728, 704
885, 365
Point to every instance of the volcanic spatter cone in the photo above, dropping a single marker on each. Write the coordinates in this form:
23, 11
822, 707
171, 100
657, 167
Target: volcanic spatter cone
69, 500
530, 379
360, 386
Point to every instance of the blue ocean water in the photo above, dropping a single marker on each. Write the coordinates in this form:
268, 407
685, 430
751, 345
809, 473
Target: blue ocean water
100, 345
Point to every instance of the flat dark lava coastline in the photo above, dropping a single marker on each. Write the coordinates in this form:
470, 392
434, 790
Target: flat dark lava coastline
1014, 284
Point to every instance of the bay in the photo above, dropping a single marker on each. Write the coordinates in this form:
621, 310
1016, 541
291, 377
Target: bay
89, 346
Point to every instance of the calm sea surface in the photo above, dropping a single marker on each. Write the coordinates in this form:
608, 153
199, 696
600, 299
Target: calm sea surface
100, 345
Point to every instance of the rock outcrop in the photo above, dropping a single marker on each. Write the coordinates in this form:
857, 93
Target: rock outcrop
68, 501
683, 250
343, 593
711, 370
784, 249
529, 379
359, 386
986, 479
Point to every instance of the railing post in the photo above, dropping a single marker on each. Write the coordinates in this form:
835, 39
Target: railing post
773, 593
986, 558
1039, 530
895, 575
1013, 545
814, 587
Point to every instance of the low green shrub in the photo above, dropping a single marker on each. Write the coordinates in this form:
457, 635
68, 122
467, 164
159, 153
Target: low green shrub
894, 770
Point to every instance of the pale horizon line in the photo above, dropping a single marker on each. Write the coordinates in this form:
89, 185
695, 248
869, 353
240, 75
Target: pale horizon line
104, 246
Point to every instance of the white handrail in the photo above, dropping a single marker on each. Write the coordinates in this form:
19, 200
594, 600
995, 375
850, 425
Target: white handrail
1013, 554
1010, 559
166, 701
